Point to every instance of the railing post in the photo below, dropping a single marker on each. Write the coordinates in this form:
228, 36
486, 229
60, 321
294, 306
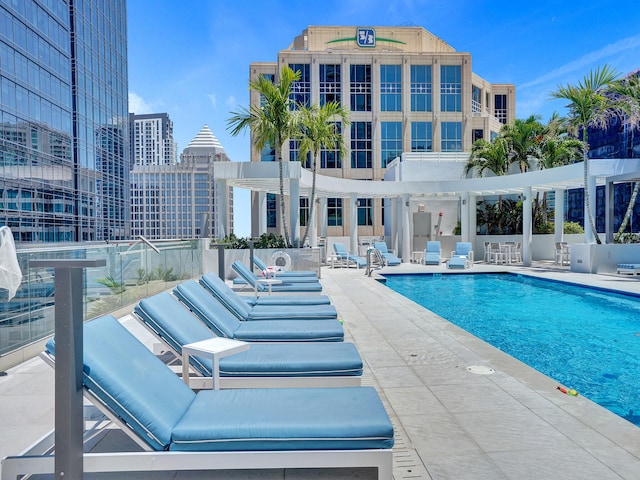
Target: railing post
68, 372
220, 247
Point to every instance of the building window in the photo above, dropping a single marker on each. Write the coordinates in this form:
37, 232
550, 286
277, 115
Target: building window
500, 108
451, 136
304, 211
421, 137
478, 134
330, 86
391, 141
301, 89
268, 154
476, 101
420, 88
361, 145
360, 88
294, 154
271, 210
365, 211
331, 158
334, 212
450, 88
390, 88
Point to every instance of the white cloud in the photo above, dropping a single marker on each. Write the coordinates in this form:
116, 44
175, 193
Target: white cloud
590, 58
138, 105
213, 99
231, 101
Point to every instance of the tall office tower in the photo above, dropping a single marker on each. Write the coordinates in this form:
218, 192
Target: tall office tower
64, 155
182, 200
152, 139
406, 90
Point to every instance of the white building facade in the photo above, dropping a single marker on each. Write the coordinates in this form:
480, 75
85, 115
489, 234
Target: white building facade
152, 140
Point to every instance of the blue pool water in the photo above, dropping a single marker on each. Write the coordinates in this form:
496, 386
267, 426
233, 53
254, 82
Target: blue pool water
585, 338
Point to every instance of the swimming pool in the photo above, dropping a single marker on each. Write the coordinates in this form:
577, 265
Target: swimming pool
585, 338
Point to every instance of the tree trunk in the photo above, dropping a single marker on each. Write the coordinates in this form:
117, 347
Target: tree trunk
627, 214
585, 159
282, 204
312, 200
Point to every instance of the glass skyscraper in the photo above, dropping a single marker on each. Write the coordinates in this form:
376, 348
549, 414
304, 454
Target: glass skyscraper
64, 154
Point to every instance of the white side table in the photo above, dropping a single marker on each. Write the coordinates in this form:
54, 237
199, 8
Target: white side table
417, 257
213, 348
267, 281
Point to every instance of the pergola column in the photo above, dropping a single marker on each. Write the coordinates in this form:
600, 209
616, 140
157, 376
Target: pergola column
608, 212
353, 223
294, 210
558, 229
473, 218
527, 226
405, 252
262, 213
324, 217
222, 208
464, 217
395, 241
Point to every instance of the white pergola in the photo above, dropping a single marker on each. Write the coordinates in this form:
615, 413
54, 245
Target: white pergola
263, 178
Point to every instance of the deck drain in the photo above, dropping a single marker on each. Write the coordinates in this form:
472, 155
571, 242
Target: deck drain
480, 370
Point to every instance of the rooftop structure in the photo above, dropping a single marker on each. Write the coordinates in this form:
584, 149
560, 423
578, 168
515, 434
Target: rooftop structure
152, 139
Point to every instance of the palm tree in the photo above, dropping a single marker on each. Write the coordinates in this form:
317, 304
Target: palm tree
318, 130
589, 106
627, 92
523, 138
271, 122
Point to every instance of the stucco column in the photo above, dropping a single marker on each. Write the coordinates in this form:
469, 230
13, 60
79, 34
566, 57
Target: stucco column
294, 210
608, 212
473, 219
464, 217
589, 235
353, 223
395, 214
262, 213
405, 252
558, 229
324, 214
222, 207
313, 226
527, 227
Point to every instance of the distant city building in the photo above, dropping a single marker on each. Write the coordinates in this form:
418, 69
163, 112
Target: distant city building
64, 154
406, 90
152, 139
181, 200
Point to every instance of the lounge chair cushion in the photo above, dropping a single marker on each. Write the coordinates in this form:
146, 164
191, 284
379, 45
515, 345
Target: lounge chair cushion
245, 312
389, 257
220, 320
284, 419
164, 412
343, 255
458, 262
285, 286
213, 283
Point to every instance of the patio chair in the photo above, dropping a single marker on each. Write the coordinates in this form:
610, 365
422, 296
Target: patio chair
217, 429
223, 324
242, 311
213, 283
389, 256
260, 265
464, 249
563, 256
262, 365
286, 285
347, 258
628, 269
432, 253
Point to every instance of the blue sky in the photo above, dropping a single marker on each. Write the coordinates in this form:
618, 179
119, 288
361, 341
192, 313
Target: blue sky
191, 58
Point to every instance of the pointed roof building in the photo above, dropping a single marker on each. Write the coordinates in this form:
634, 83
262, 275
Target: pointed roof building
205, 144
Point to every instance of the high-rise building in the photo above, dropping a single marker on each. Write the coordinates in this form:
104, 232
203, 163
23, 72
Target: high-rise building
64, 156
406, 90
182, 200
152, 139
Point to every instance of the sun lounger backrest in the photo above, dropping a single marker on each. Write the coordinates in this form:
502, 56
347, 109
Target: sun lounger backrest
463, 248
207, 308
133, 382
259, 263
244, 272
382, 246
433, 247
340, 249
176, 325
225, 295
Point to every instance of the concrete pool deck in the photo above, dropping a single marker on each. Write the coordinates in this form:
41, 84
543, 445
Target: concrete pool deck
450, 423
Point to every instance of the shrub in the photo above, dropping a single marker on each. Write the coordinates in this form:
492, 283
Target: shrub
573, 227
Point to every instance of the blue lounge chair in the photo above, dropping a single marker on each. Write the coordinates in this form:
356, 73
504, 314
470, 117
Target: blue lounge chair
389, 258
347, 258
224, 324
260, 265
218, 429
263, 364
463, 249
244, 312
432, 253
286, 286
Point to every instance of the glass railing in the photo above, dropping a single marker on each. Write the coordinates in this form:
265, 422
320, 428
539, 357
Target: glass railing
133, 270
